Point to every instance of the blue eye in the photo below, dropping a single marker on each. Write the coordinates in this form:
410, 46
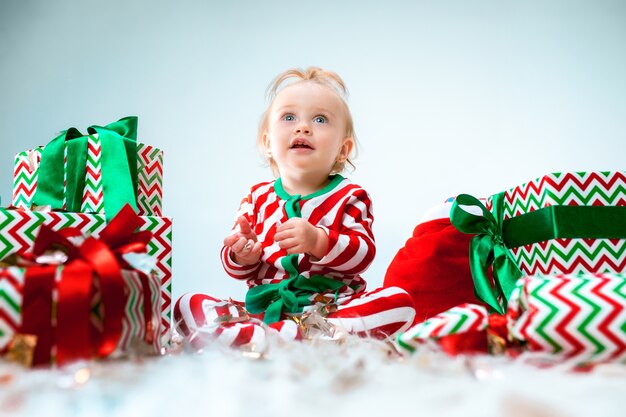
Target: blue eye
289, 117
320, 119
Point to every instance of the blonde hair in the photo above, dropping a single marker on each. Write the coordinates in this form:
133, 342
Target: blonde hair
319, 76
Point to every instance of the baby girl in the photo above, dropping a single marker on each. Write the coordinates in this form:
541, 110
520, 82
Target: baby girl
302, 241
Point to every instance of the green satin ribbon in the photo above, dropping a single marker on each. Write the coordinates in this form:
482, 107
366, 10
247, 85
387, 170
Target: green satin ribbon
565, 222
50, 190
119, 164
292, 294
119, 168
487, 249
494, 237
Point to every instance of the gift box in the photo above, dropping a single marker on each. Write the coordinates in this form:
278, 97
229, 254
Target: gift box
73, 296
23, 317
569, 315
593, 250
85, 172
19, 228
560, 223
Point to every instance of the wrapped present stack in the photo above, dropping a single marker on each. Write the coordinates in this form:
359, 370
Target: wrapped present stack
546, 258
85, 231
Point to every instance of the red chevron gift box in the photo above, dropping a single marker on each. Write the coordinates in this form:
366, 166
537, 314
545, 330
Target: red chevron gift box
94, 173
18, 231
582, 316
74, 297
561, 223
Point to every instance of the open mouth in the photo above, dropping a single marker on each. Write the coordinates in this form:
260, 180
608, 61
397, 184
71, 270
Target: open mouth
300, 144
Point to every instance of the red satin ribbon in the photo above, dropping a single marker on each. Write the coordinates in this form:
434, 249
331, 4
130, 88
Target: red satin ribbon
470, 342
75, 289
37, 309
497, 326
104, 263
72, 332
476, 341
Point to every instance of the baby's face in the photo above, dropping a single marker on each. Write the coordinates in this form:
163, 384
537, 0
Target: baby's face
307, 130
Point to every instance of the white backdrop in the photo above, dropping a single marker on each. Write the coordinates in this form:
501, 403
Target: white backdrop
447, 97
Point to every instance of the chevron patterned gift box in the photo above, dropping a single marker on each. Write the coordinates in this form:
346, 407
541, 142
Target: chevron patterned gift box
562, 223
140, 317
572, 315
19, 228
569, 255
149, 178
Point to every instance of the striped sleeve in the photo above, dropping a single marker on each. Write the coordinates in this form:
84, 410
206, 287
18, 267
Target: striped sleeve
351, 250
231, 267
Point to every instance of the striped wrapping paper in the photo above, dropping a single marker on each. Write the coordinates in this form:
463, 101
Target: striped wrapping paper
571, 315
462, 319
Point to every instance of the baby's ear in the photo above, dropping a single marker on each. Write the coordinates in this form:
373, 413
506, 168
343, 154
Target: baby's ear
265, 139
346, 147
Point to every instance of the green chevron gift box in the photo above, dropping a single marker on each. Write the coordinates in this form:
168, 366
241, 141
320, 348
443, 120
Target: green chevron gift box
561, 223
94, 173
19, 229
582, 316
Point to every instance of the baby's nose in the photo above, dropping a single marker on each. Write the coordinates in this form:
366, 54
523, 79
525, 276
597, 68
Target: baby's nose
303, 128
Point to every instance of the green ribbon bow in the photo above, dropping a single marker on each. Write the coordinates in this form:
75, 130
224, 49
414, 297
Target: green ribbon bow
487, 249
292, 294
119, 168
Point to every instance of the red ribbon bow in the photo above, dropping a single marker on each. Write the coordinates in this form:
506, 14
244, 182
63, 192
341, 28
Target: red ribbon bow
91, 266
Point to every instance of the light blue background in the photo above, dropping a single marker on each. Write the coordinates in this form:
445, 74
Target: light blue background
447, 97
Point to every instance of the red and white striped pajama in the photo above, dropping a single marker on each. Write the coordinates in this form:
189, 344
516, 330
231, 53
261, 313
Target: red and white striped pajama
344, 211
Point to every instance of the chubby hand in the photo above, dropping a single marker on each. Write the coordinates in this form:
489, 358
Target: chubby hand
245, 249
297, 235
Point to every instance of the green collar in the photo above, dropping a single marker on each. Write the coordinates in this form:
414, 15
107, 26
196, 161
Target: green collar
280, 190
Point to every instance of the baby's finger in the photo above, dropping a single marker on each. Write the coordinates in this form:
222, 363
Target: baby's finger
284, 226
231, 239
287, 243
286, 234
247, 247
244, 225
257, 249
295, 249
291, 250
238, 246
